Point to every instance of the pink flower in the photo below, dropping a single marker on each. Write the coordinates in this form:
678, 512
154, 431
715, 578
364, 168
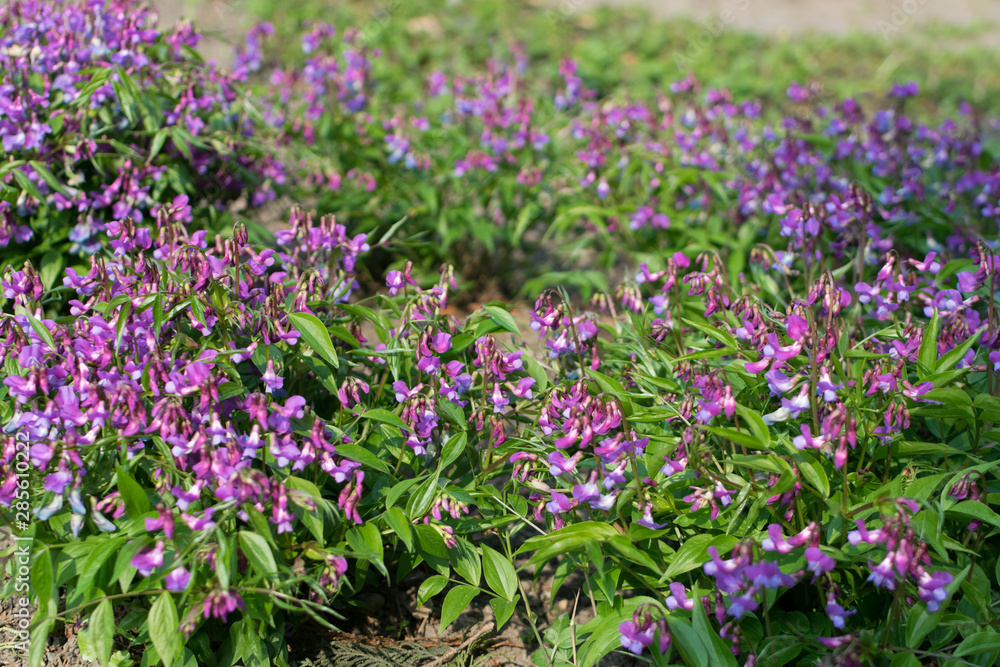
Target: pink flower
177, 580
148, 559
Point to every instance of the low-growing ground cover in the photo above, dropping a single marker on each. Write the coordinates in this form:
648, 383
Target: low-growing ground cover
752, 406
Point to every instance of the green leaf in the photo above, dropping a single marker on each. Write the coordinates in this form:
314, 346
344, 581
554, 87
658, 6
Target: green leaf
258, 552
452, 449
422, 499
430, 545
43, 580
566, 539
608, 384
49, 178
52, 265
920, 621
163, 628
134, 496
41, 330
950, 396
343, 334
455, 602
121, 323
27, 185
502, 318
927, 354
755, 423
156, 144
694, 553
312, 520
739, 437
952, 357
316, 335
904, 659
500, 574
625, 547
397, 522
973, 509
503, 610
465, 561
691, 647
400, 488
102, 631
763, 462
39, 640
366, 540
384, 416
430, 587
536, 371
602, 635
363, 456
718, 650
814, 473
715, 333
981, 642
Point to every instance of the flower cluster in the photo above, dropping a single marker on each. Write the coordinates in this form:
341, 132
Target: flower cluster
118, 121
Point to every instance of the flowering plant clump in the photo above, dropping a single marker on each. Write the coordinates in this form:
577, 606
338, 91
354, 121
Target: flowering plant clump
772, 441
104, 116
495, 168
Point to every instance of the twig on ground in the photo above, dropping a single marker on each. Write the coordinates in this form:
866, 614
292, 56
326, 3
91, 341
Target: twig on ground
475, 633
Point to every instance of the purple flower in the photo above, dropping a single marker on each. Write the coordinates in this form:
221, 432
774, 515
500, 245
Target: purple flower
394, 281
837, 614
767, 574
148, 559
634, 639
177, 580
727, 573
203, 522
741, 604
271, 379
429, 365
441, 343
862, 534
932, 588
559, 503
222, 603
825, 386
403, 392
647, 519
807, 440
638, 633
499, 400
818, 562
559, 464
678, 598
883, 574
778, 382
866, 292
523, 388
968, 281
775, 541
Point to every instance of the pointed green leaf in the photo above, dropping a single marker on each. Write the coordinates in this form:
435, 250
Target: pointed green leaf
397, 522
500, 574
455, 602
163, 628
258, 552
102, 631
315, 334
502, 318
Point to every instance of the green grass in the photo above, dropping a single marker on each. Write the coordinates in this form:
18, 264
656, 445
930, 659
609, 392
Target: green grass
626, 50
